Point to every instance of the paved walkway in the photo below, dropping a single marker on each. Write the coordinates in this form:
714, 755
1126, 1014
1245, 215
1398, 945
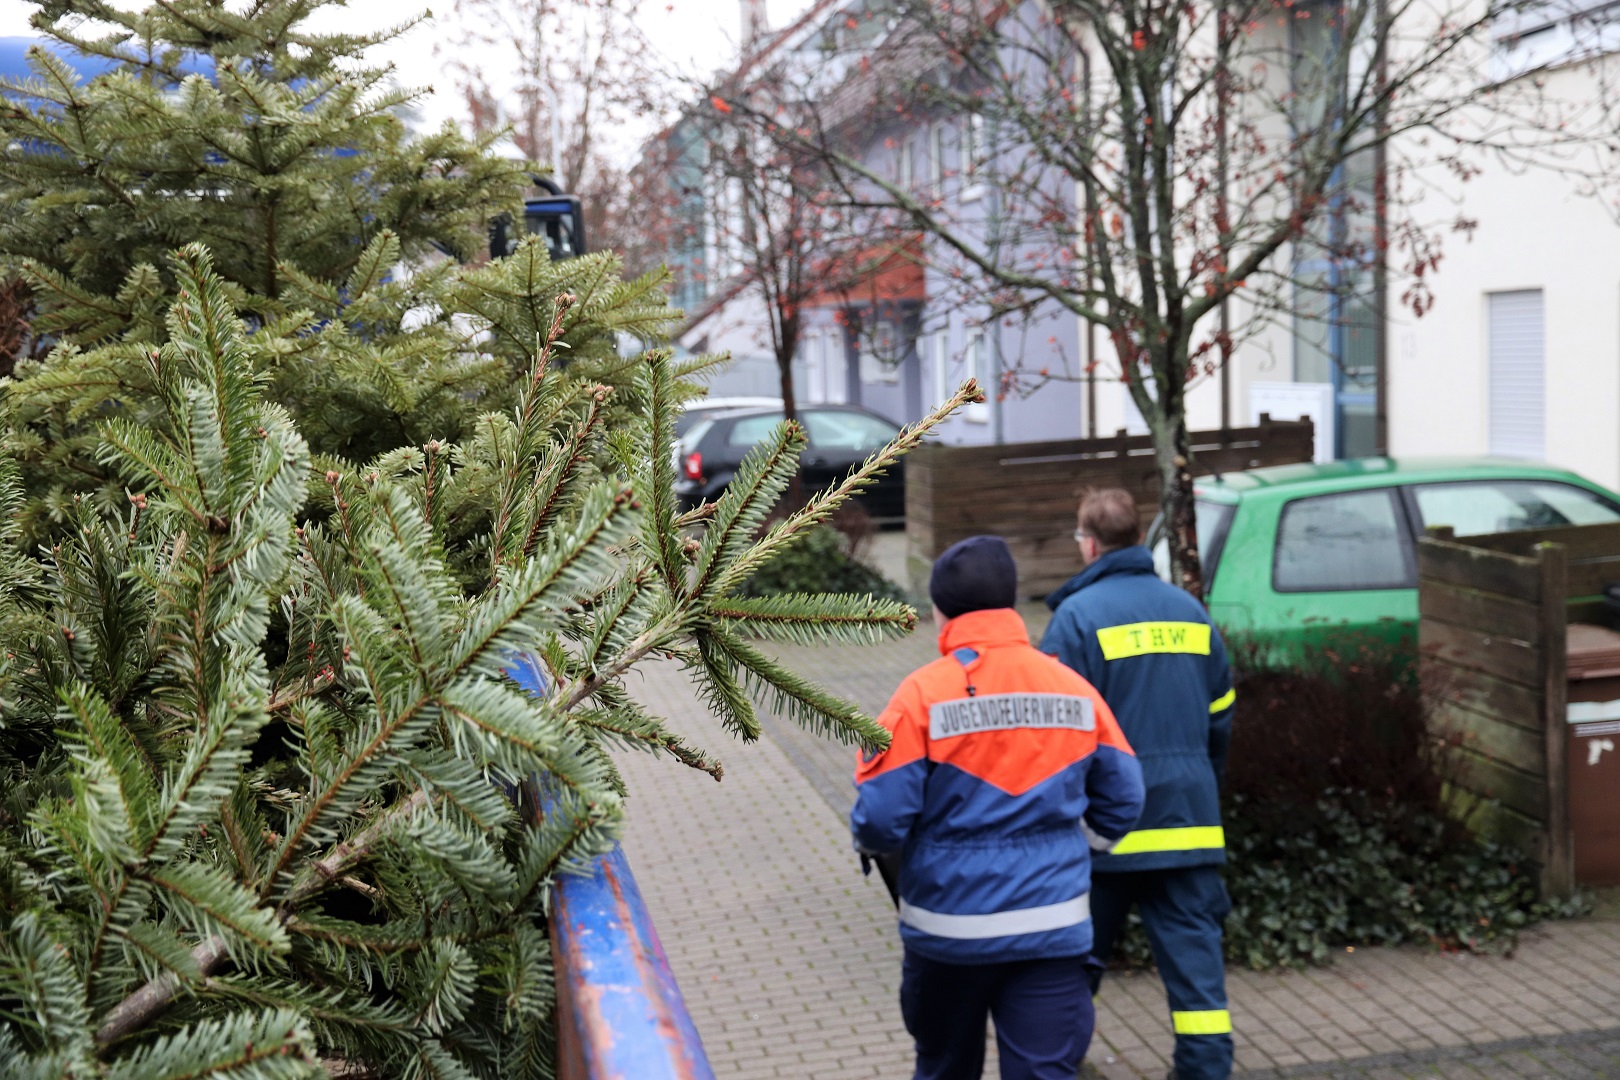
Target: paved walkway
789, 960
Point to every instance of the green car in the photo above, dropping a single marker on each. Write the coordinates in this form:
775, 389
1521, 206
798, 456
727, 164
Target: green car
1297, 555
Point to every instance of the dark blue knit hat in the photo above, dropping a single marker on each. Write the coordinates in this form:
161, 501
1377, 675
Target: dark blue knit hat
973, 575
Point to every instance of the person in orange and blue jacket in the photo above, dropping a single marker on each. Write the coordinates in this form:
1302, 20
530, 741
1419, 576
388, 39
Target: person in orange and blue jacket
1153, 652
1002, 763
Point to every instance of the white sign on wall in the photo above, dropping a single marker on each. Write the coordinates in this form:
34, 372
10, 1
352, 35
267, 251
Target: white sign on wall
1296, 401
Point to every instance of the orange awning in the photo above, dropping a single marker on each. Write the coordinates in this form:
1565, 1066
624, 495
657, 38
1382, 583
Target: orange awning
878, 274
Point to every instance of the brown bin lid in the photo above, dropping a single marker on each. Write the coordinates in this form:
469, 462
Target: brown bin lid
1594, 651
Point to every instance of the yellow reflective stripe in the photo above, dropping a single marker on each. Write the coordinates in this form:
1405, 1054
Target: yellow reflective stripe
1139, 639
1208, 1022
1223, 702
1190, 838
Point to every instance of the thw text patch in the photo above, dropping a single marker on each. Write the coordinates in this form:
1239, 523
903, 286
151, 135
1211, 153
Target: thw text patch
1139, 639
998, 712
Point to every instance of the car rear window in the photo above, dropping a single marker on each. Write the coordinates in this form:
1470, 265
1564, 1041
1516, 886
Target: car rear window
833, 429
694, 434
1213, 520
752, 430
1476, 507
1333, 543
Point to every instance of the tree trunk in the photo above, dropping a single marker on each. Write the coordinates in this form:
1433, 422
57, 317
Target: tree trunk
1173, 455
1186, 568
16, 304
784, 372
790, 411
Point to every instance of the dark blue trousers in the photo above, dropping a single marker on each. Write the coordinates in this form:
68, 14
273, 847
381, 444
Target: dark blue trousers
1182, 912
1041, 1008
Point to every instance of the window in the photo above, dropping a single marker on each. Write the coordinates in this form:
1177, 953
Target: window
936, 158
691, 427
942, 366
1492, 506
831, 429
819, 378
1337, 339
1336, 343
1536, 35
1333, 543
1213, 520
807, 373
977, 361
835, 368
752, 430
904, 167
972, 148
1517, 392
881, 353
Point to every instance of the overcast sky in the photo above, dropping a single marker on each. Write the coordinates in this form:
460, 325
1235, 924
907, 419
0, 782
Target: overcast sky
697, 36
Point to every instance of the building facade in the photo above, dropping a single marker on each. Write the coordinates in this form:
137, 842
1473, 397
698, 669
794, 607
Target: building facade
901, 334
1517, 354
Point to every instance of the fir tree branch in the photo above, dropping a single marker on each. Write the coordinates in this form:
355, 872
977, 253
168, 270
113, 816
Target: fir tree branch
765, 473
808, 618
659, 536
138, 1008
802, 700
652, 638
351, 852
555, 481
634, 727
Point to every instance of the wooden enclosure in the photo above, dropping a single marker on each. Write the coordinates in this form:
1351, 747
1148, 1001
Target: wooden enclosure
1028, 492
1496, 616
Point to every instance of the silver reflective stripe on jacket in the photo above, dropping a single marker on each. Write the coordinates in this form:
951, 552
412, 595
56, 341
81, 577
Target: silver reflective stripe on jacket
998, 924
1000, 712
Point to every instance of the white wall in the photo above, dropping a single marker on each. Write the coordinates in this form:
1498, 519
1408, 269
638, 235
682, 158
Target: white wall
1535, 231
1264, 354
738, 327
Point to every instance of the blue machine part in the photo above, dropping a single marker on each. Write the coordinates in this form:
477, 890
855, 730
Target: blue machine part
14, 68
528, 672
620, 1014
14, 60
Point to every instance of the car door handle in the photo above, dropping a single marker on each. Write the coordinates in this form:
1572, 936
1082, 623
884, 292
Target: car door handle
814, 460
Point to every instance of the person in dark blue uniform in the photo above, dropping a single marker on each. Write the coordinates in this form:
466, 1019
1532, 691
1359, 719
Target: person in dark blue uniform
1152, 652
1002, 763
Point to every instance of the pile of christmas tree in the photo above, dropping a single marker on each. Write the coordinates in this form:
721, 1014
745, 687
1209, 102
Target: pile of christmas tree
280, 499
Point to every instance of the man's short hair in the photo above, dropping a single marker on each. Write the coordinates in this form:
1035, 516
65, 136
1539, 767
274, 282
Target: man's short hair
1110, 516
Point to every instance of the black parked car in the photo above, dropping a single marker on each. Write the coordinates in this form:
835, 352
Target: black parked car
840, 437
693, 412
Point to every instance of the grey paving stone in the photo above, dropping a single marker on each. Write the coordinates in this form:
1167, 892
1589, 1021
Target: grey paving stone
778, 941
1591, 1055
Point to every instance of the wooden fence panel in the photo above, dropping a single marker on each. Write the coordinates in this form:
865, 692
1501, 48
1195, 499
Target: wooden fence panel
1592, 552
1480, 651
1558, 865
1492, 737
1506, 616
1028, 492
1491, 644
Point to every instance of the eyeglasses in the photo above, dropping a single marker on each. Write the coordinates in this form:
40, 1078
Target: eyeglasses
1080, 535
